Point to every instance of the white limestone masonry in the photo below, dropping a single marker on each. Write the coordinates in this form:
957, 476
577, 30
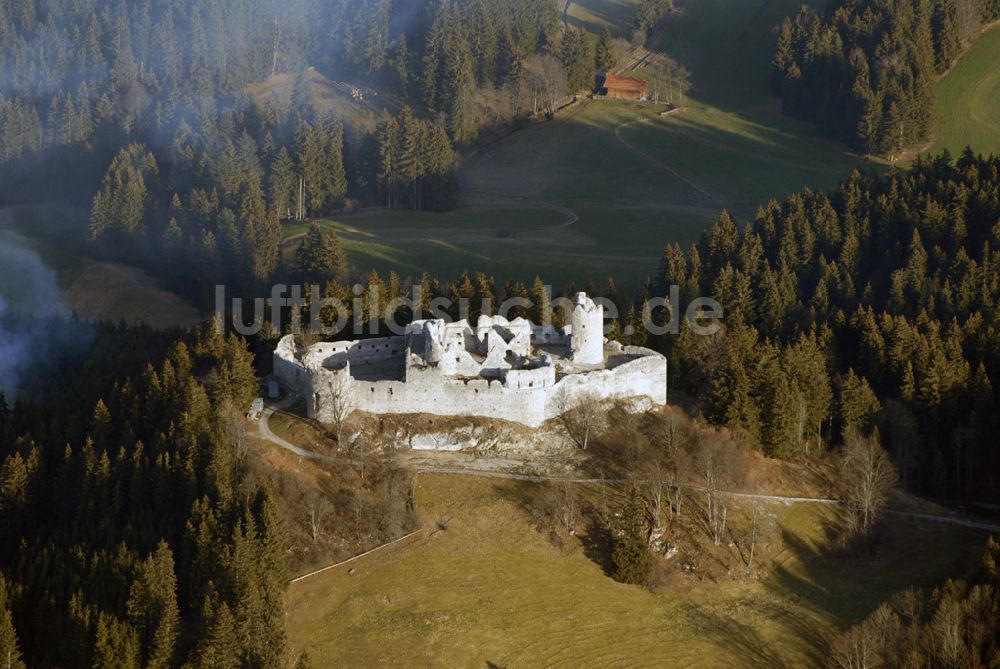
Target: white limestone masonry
514, 370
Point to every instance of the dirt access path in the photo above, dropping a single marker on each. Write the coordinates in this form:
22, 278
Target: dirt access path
637, 58
435, 462
450, 462
714, 197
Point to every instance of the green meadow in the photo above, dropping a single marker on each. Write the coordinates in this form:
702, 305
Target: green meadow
483, 588
968, 99
600, 190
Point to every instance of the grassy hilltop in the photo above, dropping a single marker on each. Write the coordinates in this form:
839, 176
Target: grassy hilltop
490, 590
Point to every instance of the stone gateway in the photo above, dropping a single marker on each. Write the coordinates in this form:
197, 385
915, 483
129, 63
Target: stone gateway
514, 370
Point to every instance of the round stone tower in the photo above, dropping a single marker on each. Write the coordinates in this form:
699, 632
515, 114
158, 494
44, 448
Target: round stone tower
586, 331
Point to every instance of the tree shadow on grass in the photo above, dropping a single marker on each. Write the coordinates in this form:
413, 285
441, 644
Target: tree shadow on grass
799, 626
540, 503
847, 581
825, 584
526, 495
735, 637
795, 604
598, 544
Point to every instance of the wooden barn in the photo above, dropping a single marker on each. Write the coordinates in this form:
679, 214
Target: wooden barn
622, 87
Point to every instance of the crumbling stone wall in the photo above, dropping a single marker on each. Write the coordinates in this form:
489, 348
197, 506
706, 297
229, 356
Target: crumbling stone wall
456, 370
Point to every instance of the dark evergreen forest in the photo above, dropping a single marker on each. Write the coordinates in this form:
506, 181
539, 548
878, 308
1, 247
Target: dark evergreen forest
865, 70
871, 308
131, 531
141, 112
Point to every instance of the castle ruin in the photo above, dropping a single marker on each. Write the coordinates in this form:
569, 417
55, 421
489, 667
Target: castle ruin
514, 370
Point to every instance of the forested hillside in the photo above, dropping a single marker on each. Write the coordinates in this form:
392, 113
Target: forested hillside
131, 532
865, 71
142, 111
870, 308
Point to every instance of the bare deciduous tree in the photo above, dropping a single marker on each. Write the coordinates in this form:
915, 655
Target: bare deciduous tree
316, 508
755, 516
655, 473
863, 645
566, 505
868, 475
678, 81
582, 420
967, 20
555, 510
393, 486
493, 104
722, 466
625, 426
622, 50
760, 529
670, 437
233, 423
547, 84
948, 630
340, 403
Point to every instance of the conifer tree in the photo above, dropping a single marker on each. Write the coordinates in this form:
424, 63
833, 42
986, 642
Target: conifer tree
312, 166
605, 52
261, 235
219, 648
334, 177
320, 256
387, 138
461, 107
237, 380
401, 63
859, 407
284, 184
10, 654
116, 645
541, 304
577, 55
120, 204
152, 608
722, 241
631, 557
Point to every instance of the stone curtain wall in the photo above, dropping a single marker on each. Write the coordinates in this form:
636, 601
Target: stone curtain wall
530, 397
289, 370
427, 393
365, 351
642, 378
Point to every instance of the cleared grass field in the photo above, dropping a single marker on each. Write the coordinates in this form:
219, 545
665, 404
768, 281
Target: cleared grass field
489, 591
968, 100
93, 289
647, 179
329, 96
505, 242
600, 191
594, 15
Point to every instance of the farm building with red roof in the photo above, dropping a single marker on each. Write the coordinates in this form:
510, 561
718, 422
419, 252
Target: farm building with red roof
626, 88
